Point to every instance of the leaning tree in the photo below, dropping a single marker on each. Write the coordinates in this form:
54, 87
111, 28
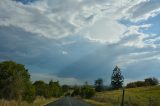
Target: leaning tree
117, 78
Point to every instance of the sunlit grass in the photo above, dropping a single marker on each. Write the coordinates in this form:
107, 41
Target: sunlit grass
143, 96
40, 101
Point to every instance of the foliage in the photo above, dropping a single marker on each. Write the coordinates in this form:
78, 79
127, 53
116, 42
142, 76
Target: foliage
55, 89
65, 88
29, 94
14, 81
87, 91
136, 84
99, 85
39, 101
116, 78
146, 82
76, 91
142, 96
41, 88
151, 81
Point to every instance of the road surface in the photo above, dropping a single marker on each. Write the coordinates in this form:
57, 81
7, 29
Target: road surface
68, 101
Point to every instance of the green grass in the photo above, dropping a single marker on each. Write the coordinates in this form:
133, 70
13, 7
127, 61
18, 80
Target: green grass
143, 96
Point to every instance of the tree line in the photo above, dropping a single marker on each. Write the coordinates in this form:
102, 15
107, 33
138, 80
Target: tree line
147, 82
16, 84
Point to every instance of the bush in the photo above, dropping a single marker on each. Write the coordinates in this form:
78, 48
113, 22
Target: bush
29, 94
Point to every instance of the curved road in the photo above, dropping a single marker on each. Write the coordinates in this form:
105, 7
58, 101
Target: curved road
68, 101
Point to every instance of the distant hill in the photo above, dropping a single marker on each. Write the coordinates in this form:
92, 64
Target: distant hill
142, 96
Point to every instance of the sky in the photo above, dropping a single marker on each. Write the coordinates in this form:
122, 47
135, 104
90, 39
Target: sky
74, 41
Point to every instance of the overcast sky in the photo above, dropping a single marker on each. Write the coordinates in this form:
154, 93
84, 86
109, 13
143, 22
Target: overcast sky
74, 41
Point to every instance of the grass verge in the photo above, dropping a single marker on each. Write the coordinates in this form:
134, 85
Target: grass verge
143, 96
39, 101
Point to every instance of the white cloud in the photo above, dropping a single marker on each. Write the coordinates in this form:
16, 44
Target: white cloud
134, 37
58, 19
105, 30
47, 77
144, 10
64, 52
134, 57
95, 20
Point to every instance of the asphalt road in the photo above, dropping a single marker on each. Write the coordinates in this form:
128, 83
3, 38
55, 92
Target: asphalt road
68, 101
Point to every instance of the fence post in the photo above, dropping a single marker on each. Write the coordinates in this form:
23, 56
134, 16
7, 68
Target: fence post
122, 103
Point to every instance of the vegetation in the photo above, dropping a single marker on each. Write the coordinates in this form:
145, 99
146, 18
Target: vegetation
85, 91
17, 89
99, 85
117, 78
146, 82
39, 101
142, 96
15, 82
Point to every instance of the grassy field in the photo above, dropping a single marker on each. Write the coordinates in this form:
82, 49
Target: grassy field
40, 101
143, 96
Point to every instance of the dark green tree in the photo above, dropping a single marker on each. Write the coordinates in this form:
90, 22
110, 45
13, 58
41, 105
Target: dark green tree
117, 78
15, 81
65, 88
42, 89
76, 91
55, 88
151, 81
99, 85
87, 91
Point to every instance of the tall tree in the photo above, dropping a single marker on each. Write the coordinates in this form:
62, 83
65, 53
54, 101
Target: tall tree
41, 88
117, 78
99, 85
15, 82
55, 88
87, 91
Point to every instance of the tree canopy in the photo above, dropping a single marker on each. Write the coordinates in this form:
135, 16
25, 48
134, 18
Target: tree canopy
117, 78
99, 85
15, 82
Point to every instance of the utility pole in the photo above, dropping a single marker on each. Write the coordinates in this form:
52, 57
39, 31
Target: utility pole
122, 103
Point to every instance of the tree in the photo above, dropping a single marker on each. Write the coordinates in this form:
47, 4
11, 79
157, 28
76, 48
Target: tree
99, 85
55, 88
87, 91
29, 94
65, 88
76, 91
151, 81
14, 81
116, 79
136, 84
42, 88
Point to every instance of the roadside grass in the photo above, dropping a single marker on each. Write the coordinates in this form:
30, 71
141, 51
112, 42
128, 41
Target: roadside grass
39, 101
142, 96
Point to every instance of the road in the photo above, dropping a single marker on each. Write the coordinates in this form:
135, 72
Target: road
68, 101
